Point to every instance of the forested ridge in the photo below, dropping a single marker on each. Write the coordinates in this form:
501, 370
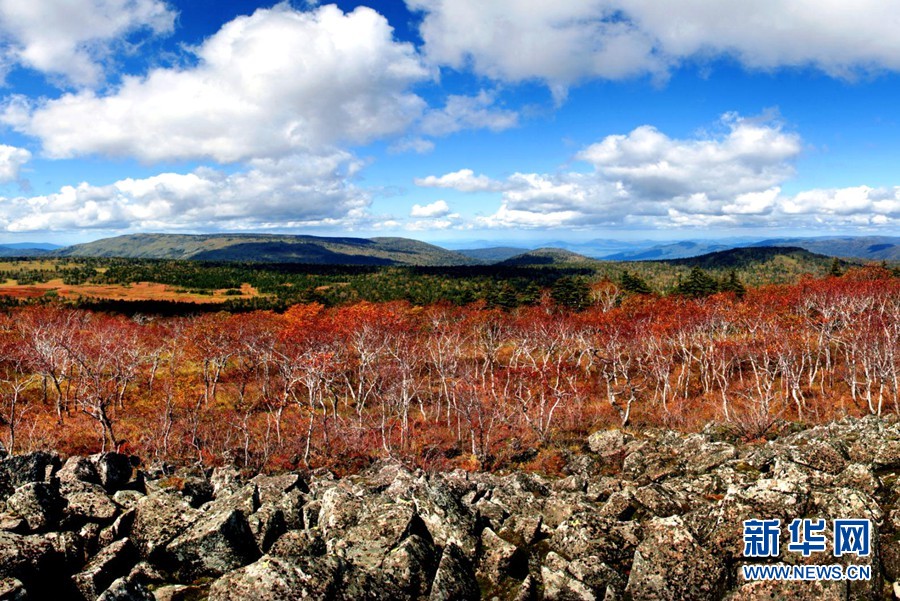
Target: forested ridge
446, 385
109, 283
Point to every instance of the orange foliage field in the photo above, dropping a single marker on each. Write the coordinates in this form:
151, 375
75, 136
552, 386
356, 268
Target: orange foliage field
139, 291
442, 385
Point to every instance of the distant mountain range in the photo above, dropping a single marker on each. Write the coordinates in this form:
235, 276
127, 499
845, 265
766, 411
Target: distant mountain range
264, 248
871, 248
26, 249
675, 250
737, 258
276, 248
492, 253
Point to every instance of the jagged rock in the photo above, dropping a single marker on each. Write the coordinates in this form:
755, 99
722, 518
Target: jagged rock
177, 592
608, 443
763, 499
454, 579
109, 564
22, 469
31, 559
12, 590
158, 518
621, 505
299, 543
310, 514
115, 470
881, 454
39, 504
90, 534
213, 545
670, 564
78, 469
651, 462
860, 477
86, 502
267, 525
669, 526
125, 590
522, 530
560, 586
128, 498
244, 499
528, 590
273, 488
276, 578
440, 509
369, 530
600, 489
13, 523
492, 514
71, 549
146, 574
573, 483
501, 559
225, 481
584, 534
197, 491
408, 569
662, 500
118, 529
292, 506
705, 456
604, 581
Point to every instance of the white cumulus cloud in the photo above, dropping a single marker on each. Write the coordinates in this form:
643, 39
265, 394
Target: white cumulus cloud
274, 83
438, 208
463, 180
468, 112
646, 178
751, 156
11, 161
71, 39
565, 41
293, 192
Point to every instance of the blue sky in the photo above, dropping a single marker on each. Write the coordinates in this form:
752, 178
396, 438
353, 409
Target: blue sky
509, 121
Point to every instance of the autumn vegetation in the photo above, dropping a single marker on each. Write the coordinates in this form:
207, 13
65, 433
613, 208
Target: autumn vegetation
444, 385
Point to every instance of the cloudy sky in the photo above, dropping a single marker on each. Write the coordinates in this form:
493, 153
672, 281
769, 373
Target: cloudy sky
450, 120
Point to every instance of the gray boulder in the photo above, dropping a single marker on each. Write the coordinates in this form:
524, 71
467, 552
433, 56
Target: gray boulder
39, 504
213, 545
12, 590
159, 518
276, 578
670, 564
454, 579
114, 469
110, 563
86, 502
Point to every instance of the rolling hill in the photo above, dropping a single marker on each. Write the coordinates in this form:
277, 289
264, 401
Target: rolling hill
265, 248
676, 250
548, 256
872, 248
492, 254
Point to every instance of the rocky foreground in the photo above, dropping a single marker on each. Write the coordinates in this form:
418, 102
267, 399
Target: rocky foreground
654, 516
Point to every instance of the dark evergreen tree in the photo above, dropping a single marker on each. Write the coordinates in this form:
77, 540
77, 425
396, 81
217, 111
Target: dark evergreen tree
572, 293
733, 284
697, 284
634, 284
835, 269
